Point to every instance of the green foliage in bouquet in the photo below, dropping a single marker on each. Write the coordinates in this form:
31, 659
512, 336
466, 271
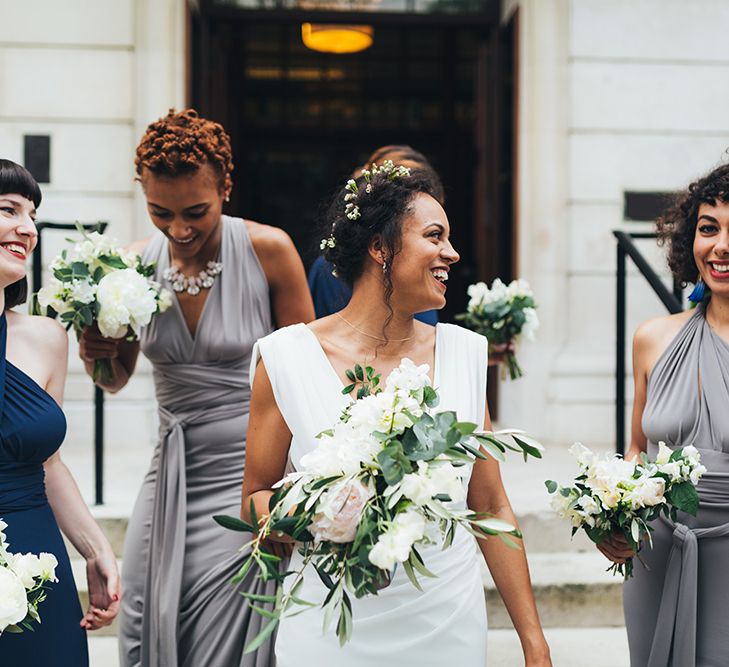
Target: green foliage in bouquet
380, 482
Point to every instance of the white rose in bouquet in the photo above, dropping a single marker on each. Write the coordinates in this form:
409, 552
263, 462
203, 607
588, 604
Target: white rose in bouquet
126, 299
13, 599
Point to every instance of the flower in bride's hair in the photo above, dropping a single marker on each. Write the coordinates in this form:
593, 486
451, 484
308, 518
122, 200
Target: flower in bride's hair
339, 511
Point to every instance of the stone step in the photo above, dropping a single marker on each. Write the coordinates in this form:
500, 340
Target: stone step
571, 590
606, 647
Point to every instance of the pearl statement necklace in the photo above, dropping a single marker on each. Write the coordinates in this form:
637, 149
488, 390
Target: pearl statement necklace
193, 284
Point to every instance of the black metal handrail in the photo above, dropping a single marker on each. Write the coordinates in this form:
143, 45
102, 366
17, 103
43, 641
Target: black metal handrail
98, 393
672, 300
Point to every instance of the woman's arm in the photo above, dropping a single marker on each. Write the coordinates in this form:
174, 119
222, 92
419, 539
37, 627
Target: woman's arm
290, 297
69, 508
267, 448
508, 566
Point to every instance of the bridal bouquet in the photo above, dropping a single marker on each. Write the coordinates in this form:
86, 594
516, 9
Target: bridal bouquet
502, 313
387, 478
98, 281
613, 495
22, 579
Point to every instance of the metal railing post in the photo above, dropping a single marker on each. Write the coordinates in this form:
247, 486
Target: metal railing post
672, 300
620, 354
98, 393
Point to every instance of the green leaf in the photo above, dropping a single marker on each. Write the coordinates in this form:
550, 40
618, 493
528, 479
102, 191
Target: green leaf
258, 598
262, 636
350, 375
348, 389
359, 374
684, 497
112, 261
551, 485
407, 566
233, 523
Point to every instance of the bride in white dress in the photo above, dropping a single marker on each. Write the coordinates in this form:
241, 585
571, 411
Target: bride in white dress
396, 253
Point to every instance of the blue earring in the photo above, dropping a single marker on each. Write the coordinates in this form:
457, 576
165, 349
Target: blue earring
699, 291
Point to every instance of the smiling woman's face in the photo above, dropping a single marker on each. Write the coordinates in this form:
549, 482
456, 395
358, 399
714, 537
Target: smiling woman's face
186, 208
18, 237
420, 269
711, 247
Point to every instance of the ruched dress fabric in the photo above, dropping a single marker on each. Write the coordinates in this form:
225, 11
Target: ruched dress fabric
677, 612
32, 428
401, 626
179, 607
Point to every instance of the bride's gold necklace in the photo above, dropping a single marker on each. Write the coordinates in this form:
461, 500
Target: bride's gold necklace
364, 333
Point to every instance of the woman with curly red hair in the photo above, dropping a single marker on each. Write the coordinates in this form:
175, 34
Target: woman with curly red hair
234, 280
677, 608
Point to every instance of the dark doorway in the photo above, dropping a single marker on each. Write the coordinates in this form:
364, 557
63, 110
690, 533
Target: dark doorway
301, 120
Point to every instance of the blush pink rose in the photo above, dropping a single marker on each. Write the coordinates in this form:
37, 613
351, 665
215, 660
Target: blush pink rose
339, 511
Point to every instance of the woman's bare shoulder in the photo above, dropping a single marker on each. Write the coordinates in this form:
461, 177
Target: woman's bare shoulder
653, 336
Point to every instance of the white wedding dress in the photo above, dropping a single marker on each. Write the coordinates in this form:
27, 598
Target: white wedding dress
401, 626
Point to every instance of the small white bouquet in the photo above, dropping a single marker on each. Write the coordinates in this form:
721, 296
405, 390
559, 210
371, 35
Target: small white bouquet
384, 480
97, 281
22, 585
502, 313
612, 495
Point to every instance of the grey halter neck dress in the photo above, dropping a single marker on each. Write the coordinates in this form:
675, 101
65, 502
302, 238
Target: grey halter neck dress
677, 612
179, 607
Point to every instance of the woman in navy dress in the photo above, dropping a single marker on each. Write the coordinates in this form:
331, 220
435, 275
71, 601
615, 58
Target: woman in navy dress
37, 492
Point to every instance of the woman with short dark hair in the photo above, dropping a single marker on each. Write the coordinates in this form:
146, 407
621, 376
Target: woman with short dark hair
37, 492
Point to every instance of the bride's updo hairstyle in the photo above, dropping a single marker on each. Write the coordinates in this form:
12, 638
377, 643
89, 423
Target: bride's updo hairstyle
382, 205
181, 143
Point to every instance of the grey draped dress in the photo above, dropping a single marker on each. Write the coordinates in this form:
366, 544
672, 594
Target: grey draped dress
179, 607
677, 612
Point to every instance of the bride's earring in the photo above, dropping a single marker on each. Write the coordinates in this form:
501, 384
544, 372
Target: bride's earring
384, 267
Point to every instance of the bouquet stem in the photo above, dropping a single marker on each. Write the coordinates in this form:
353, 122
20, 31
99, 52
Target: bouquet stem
512, 365
103, 371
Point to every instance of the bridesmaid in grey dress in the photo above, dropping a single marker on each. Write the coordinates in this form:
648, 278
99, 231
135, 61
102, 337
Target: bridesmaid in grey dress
233, 279
677, 609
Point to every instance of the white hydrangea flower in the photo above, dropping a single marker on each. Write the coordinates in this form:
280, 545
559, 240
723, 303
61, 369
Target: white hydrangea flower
83, 291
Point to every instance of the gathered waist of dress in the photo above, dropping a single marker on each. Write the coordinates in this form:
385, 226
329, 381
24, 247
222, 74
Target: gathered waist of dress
187, 386
22, 487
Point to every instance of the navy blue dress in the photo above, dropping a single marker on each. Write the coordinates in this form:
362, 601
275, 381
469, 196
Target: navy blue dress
330, 294
32, 427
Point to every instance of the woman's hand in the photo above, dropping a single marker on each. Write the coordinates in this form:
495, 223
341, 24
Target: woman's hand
497, 353
102, 575
282, 547
616, 548
93, 346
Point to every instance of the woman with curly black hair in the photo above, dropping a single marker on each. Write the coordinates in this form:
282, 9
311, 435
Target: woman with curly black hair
677, 608
389, 239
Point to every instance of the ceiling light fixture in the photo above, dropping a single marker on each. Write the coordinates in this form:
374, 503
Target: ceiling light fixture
337, 38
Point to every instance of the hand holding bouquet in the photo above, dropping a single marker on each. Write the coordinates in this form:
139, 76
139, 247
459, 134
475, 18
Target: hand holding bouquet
502, 313
22, 579
613, 495
385, 479
96, 281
